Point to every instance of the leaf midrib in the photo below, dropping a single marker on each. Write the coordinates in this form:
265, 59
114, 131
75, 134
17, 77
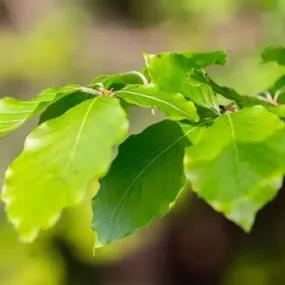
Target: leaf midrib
235, 148
141, 173
78, 136
158, 100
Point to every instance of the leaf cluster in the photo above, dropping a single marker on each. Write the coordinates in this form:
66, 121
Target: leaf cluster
230, 147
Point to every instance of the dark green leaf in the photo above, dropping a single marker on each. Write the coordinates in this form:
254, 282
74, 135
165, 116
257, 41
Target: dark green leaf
276, 54
62, 105
14, 113
119, 80
143, 180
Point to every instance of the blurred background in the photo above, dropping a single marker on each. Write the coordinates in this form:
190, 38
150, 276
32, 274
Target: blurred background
46, 43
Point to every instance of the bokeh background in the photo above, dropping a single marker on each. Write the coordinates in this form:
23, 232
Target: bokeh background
46, 43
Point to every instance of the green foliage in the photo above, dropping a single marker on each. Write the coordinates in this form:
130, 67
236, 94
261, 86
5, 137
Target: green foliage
150, 160
172, 72
276, 54
242, 167
65, 154
174, 105
230, 146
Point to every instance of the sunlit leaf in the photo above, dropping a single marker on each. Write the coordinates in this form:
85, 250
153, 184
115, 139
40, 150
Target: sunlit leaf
171, 72
237, 164
174, 105
60, 158
14, 113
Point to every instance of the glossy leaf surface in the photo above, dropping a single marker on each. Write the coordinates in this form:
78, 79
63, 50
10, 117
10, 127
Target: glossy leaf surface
143, 180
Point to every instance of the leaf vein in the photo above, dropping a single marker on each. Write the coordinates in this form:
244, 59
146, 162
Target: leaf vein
158, 100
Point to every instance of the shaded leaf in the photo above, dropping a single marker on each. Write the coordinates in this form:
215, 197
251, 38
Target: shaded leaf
276, 54
14, 113
118, 81
237, 164
66, 102
143, 180
60, 158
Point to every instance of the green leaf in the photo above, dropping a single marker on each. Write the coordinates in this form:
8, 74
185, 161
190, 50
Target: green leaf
118, 81
229, 93
277, 92
237, 164
206, 59
143, 180
278, 110
278, 86
66, 102
14, 113
60, 159
171, 72
174, 105
276, 54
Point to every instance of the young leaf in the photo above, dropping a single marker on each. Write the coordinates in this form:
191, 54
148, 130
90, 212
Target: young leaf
119, 80
174, 105
14, 113
276, 54
143, 180
237, 164
60, 158
171, 73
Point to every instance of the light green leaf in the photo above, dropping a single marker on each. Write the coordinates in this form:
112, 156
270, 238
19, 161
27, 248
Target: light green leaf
229, 93
143, 180
278, 110
174, 105
276, 54
14, 113
171, 73
278, 86
237, 164
60, 159
277, 93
